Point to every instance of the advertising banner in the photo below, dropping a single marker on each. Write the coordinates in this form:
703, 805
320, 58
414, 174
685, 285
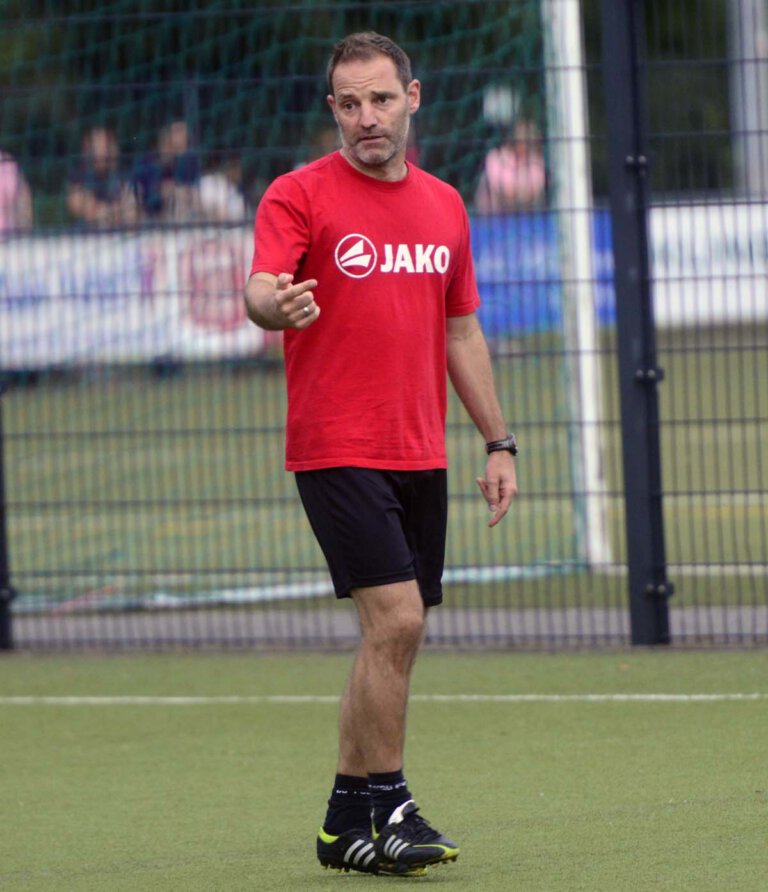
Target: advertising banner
117, 297
178, 294
709, 266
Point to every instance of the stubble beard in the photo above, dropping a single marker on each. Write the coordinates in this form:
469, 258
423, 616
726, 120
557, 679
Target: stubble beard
380, 154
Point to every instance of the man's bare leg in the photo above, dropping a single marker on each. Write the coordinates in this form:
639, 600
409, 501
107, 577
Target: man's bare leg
374, 705
372, 725
372, 729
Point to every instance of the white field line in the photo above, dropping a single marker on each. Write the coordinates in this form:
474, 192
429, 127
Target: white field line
298, 699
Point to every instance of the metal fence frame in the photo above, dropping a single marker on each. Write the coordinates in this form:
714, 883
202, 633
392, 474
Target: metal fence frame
650, 618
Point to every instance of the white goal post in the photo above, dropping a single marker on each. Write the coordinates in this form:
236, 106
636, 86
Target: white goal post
570, 175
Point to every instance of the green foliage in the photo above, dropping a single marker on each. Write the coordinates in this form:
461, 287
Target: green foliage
688, 71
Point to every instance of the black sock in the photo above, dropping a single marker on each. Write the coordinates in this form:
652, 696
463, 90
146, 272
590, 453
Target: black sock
388, 790
349, 806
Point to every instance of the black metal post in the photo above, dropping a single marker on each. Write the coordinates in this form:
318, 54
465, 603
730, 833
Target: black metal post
639, 374
7, 593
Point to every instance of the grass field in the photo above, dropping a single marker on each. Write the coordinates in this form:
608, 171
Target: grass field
559, 795
130, 483
124, 474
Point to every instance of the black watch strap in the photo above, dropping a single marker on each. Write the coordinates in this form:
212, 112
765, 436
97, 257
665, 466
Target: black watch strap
508, 444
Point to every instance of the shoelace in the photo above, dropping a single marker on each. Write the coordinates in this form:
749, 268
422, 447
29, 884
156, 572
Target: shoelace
420, 829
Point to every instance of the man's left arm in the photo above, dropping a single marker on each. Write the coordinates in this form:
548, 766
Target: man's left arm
469, 367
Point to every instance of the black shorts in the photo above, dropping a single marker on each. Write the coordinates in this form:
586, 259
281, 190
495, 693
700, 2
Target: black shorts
378, 527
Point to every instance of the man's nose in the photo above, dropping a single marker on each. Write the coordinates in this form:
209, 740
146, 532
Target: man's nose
368, 117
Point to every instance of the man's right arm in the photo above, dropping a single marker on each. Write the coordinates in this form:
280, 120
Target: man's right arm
274, 303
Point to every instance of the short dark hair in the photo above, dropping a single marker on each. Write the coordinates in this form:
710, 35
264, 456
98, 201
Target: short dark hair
365, 45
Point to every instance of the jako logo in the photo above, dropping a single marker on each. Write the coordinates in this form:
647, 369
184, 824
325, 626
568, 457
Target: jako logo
356, 256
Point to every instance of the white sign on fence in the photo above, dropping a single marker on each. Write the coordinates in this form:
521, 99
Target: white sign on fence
125, 297
710, 264
178, 294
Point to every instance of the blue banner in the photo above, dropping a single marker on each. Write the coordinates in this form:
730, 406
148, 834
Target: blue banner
517, 262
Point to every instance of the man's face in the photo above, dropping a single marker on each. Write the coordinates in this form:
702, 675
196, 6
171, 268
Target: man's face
373, 113
103, 151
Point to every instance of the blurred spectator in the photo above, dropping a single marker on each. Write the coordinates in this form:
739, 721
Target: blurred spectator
325, 141
167, 180
99, 194
221, 196
15, 197
514, 175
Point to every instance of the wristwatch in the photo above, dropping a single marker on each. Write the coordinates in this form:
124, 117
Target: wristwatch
508, 444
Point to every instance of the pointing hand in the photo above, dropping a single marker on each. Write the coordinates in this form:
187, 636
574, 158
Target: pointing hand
296, 303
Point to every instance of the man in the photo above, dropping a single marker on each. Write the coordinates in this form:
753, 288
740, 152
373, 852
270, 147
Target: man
363, 260
167, 180
99, 194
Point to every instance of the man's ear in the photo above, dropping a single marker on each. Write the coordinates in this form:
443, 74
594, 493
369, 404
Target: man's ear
414, 96
331, 102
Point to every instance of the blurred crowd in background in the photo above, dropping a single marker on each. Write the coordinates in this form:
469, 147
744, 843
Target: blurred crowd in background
169, 184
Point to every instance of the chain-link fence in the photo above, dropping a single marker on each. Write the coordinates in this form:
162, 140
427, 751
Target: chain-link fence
146, 504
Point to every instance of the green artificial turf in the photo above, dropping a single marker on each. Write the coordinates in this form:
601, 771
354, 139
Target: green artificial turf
541, 795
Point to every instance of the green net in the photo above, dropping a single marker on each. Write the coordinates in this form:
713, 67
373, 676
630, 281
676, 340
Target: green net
248, 80
138, 479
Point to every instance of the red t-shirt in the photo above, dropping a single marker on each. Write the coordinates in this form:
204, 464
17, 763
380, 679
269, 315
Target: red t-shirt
367, 380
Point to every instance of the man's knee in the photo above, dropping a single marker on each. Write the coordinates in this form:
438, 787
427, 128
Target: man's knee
396, 646
401, 630
392, 617
408, 628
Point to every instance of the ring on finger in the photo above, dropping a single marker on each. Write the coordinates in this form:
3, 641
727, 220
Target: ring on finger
307, 310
